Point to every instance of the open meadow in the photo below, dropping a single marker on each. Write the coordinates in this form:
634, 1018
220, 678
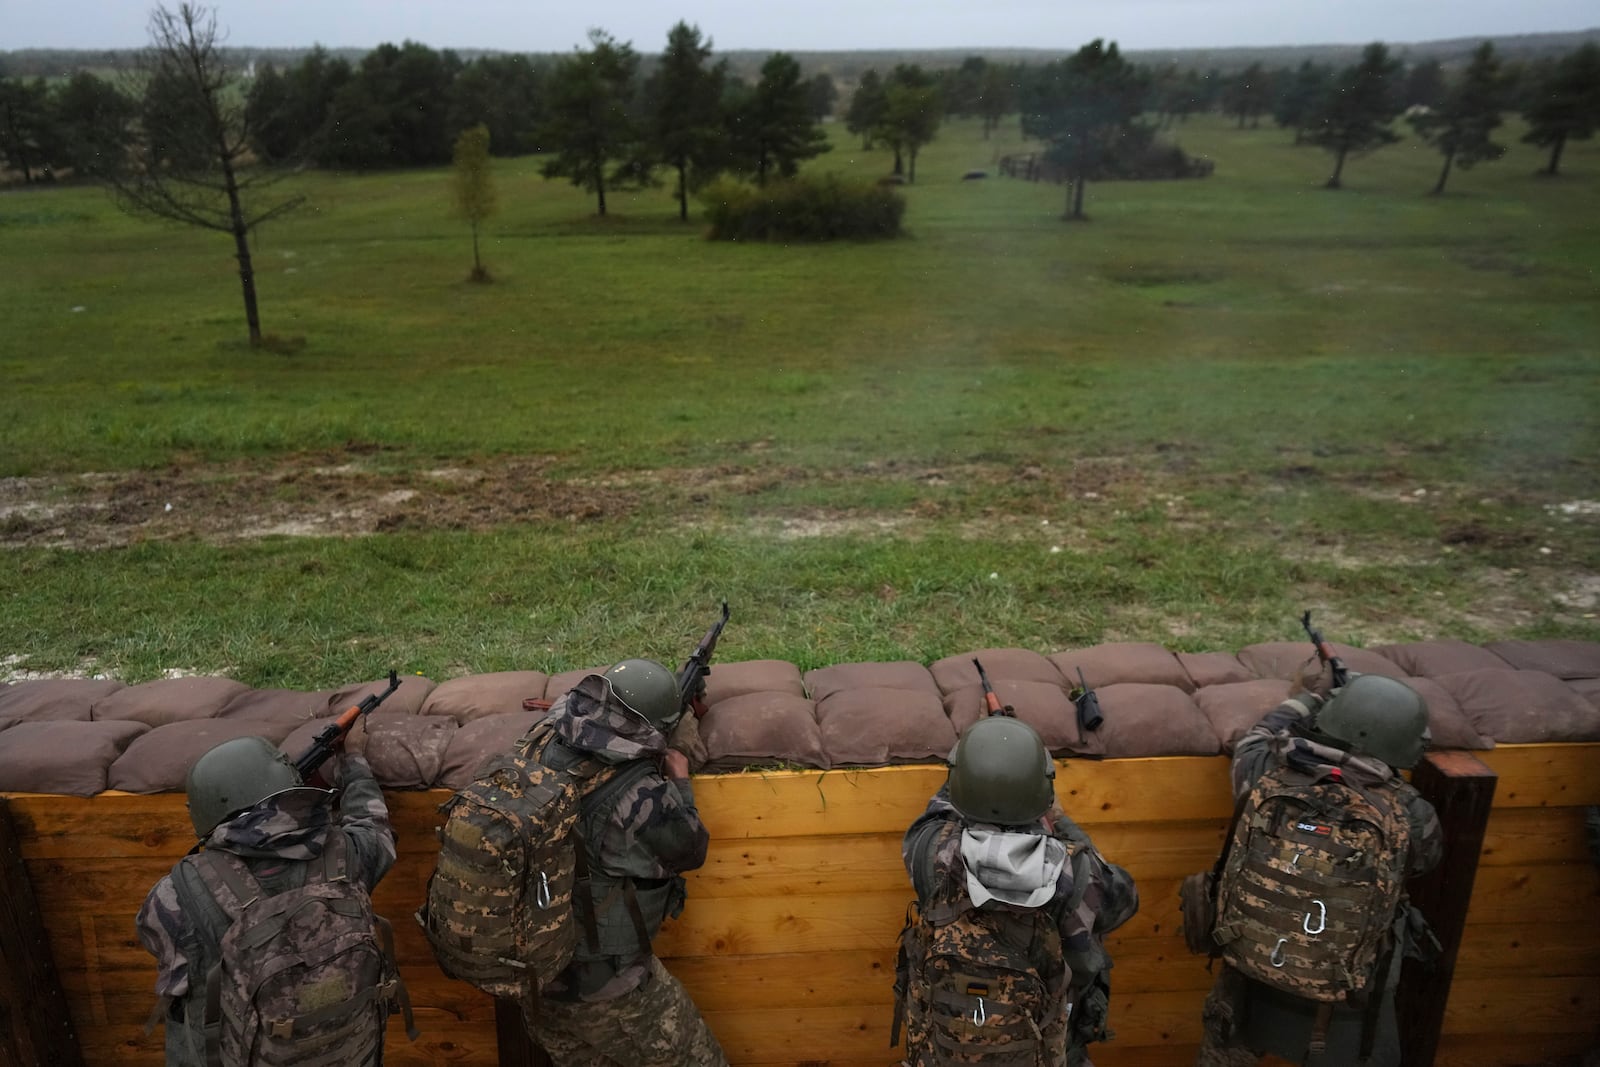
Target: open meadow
1217, 404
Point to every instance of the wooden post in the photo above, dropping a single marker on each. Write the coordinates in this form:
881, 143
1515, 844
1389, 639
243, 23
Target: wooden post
35, 1025
1461, 789
516, 1050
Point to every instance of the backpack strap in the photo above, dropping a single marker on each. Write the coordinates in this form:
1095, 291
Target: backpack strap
394, 988
902, 975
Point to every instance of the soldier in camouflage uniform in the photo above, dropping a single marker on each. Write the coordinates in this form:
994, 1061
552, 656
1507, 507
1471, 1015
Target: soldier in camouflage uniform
619, 1007
1376, 723
994, 838
246, 798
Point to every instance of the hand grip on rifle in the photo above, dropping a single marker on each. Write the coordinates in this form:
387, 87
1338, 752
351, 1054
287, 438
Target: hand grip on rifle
692, 676
991, 700
332, 736
1088, 705
1339, 672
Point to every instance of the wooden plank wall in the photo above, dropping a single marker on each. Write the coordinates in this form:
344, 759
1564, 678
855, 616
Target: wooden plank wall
788, 940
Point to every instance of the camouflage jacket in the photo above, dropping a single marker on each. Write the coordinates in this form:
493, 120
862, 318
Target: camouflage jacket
640, 826
1093, 897
276, 838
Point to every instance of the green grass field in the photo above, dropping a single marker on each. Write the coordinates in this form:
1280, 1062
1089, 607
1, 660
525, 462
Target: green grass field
1217, 404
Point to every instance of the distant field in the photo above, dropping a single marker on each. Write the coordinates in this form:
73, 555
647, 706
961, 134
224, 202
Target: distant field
1218, 403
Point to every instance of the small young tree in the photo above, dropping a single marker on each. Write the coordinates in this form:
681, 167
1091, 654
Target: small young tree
189, 161
1459, 127
1355, 114
1566, 105
472, 188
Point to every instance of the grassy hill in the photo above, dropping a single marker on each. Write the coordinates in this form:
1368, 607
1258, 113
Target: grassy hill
1217, 404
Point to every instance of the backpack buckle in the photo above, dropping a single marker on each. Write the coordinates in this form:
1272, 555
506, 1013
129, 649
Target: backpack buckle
541, 895
282, 1029
1277, 959
1322, 919
979, 1014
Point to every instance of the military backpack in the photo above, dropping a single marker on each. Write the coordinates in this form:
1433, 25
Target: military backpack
305, 975
1312, 880
510, 891
988, 986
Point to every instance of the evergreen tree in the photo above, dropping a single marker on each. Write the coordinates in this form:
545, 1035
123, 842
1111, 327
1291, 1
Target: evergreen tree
1459, 127
94, 123
911, 113
1081, 107
867, 105
687, 129
773, 129
591, 131
1301, 97
1355, 114
1566, 104
505, 94
1424, 85
27, 127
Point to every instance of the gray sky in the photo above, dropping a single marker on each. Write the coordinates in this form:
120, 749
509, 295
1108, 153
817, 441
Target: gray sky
559, 25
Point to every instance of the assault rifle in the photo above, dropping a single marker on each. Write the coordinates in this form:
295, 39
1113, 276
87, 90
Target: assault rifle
991, 700
1088, 704
1341, 673
692, 676
327, 742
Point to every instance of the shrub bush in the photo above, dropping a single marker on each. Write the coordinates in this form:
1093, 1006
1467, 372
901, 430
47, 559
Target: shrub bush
823, 208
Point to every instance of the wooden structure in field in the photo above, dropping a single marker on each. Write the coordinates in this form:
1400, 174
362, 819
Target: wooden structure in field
789, 936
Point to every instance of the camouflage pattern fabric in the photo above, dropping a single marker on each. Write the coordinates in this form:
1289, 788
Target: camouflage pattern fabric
1093, 898
1243, 1019
653, 1025
276, 839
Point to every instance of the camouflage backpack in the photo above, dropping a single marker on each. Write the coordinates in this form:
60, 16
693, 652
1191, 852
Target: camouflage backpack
500, 908
988, 986
306, 974
1311, 881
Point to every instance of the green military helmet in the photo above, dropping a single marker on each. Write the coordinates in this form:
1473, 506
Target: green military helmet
1000, 772
1377, 716
647, 689
233, 776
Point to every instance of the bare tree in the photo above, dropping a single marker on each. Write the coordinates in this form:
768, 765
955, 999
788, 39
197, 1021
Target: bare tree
190, 161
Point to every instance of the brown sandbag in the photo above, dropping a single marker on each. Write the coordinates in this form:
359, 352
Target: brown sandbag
406, 700
55, 698
561, 684
1515, 707
1589, 688
1150, 720
404, 751
1045, 706
474, 742
1122, 661
1233, 708
875, 725
1292, 659
1213, 668
762, 730
278, 705
159, 760
729, 680
1013, 664
1429, 659
1563, 659
1447, 723
59, 756
477, 695
169, 700
908, 675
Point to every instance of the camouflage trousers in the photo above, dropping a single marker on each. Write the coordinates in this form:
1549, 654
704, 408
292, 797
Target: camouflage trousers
656, 1025
1219, 1046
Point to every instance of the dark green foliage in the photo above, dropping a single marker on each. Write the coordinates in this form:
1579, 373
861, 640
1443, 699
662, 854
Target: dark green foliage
289, 112
504, 94
591, 125
1565, 103
26, 127
94, 119
686, 131
773, 129
1355, 113
823, 95
1424, 86
866, 107
394, 110
1082, 106
911, 113
825, 208
1249, 95
1300, 96
1459, 127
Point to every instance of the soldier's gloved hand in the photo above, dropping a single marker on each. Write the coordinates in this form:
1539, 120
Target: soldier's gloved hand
686, 739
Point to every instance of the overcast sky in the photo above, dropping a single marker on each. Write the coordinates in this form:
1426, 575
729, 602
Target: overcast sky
808, 25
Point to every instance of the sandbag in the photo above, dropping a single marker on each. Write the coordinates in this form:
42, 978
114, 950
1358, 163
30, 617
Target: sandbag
1429, 659
406, 700
1150, 720
169, 700
1013, 664
278, 705
908, 675
1563, 659
159, 760
762, 730
1292, 659
876, 725
729, 680
1517, 707
56, 756
478, 695
1045, 706
1213, 668
55, 698
1126, 661
1233, 708
474, 742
